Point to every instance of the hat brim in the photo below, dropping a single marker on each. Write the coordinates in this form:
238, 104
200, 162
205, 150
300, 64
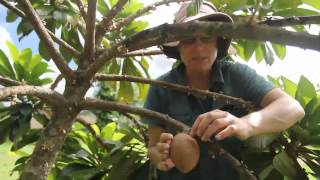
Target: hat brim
171, 49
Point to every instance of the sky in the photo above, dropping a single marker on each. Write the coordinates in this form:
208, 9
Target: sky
297, 62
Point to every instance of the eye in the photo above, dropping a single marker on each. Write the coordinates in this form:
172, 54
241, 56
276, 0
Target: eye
207, 39
188, 41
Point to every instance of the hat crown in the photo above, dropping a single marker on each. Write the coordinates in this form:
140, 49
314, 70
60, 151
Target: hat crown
206, 8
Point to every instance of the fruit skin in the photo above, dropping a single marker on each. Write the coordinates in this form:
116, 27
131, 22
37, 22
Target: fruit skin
184, 152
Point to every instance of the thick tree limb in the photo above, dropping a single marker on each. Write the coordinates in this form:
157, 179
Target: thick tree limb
82, 9
141, 12
172, 32
89, 46
104, 25
142, 53
45, 94
215, 96
9, 82
44, 35
291, 21
90, 104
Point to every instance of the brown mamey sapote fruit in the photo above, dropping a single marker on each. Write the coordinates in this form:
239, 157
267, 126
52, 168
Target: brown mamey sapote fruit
184, 152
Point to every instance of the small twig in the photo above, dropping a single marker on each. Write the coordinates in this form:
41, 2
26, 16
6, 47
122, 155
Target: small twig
45, 37
142, 53
216, 96
90, 104
107, 20
82, 9
89, 46
56, 82
59, 41
45, 94
142, 11
139, 127
92, 131
252, 20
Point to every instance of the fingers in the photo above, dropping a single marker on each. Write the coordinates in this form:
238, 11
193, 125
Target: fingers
227, 132
203, 121
165, 165
214, 127
166, 137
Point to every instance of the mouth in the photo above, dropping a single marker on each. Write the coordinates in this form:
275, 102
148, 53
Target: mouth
199, 58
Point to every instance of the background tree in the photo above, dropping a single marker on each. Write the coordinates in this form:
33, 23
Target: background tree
103, 36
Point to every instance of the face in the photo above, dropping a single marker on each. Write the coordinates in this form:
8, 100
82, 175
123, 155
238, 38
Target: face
198, 54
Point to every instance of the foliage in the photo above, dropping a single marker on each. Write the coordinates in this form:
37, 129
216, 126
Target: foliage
287, 155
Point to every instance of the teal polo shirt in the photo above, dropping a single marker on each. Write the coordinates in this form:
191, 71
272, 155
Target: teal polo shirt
228, 77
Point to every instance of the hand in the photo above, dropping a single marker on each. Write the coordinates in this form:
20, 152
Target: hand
221, 123
163, 147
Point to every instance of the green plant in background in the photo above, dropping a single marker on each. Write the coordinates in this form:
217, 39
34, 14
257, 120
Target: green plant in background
113, 146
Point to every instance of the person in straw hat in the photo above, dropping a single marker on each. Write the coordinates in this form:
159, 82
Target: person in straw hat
205, 64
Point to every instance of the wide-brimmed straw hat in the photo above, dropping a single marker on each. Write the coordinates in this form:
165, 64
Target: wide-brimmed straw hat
207, 12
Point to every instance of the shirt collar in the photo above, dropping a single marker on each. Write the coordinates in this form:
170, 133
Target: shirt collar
216, 78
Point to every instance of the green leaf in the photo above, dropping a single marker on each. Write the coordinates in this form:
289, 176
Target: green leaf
289, 86
14, 52
261, 142
26, 139
236, 4
11, 16
108, 131
103, 7
249, 48
39, 69
280, 50
260, 52
194, 7
43, 51
313, 3
284, 164
285, 4
305, 91
6, 66
24, 28
25, 57
20, 72
295, 12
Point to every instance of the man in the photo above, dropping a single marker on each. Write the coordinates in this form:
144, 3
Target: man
206, 65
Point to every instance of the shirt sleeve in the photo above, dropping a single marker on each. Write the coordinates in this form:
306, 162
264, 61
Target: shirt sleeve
154, 102
251, 86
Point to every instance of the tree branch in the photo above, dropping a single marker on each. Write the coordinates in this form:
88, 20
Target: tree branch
56, 82
142, 53
82, 10
93, 132
44, 35
59, 41
238, 102
139, 127
45, 94
9, 82
89, 46
172, 32
140, 12
291, 21
90, 103
104, 25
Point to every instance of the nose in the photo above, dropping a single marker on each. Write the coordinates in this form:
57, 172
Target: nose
198, 44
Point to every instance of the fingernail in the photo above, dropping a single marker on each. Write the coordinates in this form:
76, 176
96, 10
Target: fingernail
218, 137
